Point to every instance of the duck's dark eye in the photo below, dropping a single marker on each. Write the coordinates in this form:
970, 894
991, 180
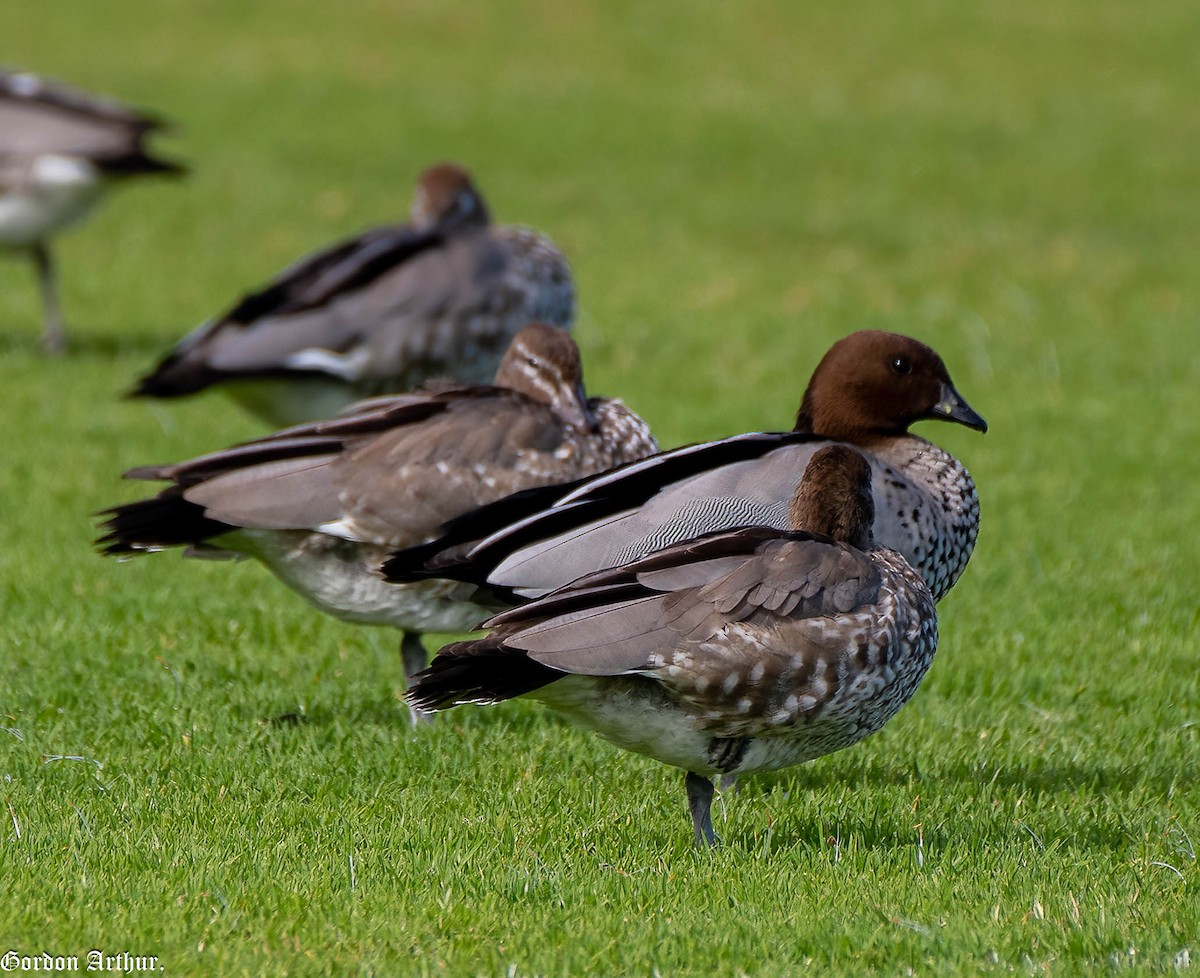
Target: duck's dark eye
902, 366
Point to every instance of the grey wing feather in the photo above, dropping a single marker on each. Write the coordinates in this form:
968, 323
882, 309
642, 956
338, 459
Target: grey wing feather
289, 494
691, 574
29, 130
611, 640
401, 486
786, 578
382, 316
808, 577
750, 493
239, 456
268, 343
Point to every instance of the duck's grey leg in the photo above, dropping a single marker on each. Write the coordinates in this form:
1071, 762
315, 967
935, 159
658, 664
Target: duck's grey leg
700, 796
415, 658
54, 334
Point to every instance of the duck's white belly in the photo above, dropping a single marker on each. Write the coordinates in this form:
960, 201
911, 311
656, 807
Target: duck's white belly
56, 191
342, 579
640, 720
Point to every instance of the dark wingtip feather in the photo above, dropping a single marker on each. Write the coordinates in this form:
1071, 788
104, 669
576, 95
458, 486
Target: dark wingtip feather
478, 670
413, 563
166, 520
138, 163
174, 376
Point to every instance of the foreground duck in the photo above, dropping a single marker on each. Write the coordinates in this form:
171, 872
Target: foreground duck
867, 391
438, 298
322, 504
743, 651
60, 150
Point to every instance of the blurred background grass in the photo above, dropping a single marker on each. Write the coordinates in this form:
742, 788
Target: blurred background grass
737, 186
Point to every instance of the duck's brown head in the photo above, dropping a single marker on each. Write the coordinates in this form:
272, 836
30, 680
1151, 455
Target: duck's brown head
875, 383
543, 363
446, 198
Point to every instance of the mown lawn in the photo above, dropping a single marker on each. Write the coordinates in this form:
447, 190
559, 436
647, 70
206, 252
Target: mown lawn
737, 186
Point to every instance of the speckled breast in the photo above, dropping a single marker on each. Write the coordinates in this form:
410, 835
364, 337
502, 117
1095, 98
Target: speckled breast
926, 507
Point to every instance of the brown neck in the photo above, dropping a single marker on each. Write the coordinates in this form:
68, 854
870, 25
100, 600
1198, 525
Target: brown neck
855, 433
835, 498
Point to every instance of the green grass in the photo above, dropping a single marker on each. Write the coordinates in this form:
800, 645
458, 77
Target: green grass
737, 186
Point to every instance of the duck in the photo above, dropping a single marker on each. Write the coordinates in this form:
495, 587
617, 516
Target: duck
61, 150
736, 652
867, 391
320, 505
386, 311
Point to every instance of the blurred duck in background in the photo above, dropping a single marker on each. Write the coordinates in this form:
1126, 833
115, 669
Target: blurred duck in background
60, 150
436, 299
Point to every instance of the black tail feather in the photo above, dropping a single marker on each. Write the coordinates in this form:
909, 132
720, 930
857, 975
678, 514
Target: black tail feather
481, 670
137, 163
174, 376
166, 520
